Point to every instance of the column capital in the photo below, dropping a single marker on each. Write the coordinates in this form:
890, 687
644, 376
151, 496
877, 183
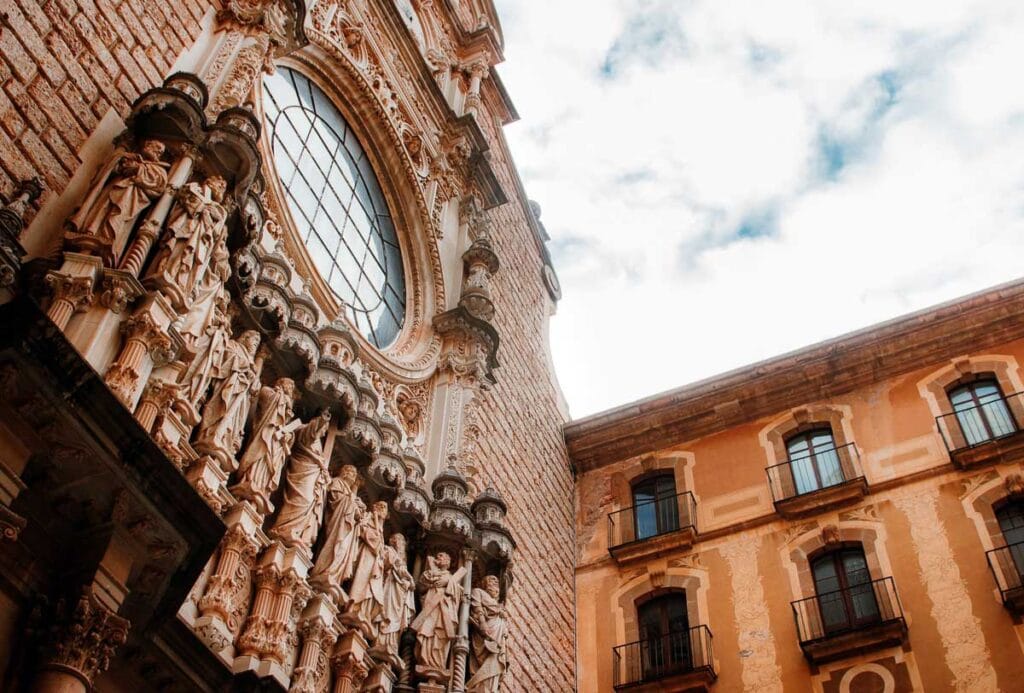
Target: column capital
85, 635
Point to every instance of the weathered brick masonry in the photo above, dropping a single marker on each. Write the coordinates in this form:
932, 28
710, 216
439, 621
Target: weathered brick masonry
66, 63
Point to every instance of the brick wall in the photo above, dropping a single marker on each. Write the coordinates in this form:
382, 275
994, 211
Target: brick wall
522, 453
65, 63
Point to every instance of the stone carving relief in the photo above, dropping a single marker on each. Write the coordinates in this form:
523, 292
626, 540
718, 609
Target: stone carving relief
260, 466
761, 671
490, 632
959, 629
437, 622
398, 601
224, 416
336, 560
305, 486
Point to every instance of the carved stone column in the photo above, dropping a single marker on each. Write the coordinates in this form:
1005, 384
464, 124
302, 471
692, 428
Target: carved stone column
84, 636
349, 663
138, 251
282, 592
149, 340
72, 286
461, 647
477, 70
319, 632
222, 606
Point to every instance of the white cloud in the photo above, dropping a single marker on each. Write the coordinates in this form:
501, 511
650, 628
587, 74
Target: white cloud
725, 180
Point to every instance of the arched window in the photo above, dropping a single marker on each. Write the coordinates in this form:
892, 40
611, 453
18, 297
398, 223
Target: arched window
664, 635
655, 506
1011, 522
336, 203
814, 460
981, 410
844, 592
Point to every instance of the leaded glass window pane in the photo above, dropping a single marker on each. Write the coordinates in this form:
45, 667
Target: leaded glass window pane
337, 203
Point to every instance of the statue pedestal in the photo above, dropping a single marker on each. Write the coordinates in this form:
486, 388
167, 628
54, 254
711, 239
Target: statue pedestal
95, 332
380, 680
427, 687
211, 483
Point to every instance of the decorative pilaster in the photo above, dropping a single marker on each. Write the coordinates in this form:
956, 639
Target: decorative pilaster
83, 638
319, 632
222, 606
281, 594
349, 663
149, 340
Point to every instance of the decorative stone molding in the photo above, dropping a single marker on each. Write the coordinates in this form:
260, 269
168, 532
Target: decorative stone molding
72, 287
12, 223
83, 638
470, 346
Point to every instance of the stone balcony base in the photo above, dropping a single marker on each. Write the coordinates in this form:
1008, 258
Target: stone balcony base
643, 549
866, 639
693, 681
823, 499
1002, 450
1013, 600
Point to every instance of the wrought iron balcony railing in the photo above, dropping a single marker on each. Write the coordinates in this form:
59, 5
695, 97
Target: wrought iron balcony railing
857, 607
809, 473
1007, 564
651, 519
652, 659
971, 426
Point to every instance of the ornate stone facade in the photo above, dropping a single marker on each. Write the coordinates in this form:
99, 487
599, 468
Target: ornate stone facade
237, 486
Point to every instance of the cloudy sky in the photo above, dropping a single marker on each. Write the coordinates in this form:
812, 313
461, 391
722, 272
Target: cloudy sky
726, 180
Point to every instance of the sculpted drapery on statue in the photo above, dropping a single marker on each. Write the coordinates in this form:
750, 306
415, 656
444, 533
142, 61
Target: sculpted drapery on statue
437, 623
272, 433
305, 486
225, 414
399, 603
122, 192
336, 560
367, 590
490, 630
206, 340
194, 232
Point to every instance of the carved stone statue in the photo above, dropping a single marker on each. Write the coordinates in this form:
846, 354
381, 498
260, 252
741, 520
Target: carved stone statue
437, 623
367, 590
194, 232
206, 341
225, 414
336, 560
305, 486
259, 470
490, 631
123, 191
399, 603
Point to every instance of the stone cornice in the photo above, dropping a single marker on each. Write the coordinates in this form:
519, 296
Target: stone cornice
827, 369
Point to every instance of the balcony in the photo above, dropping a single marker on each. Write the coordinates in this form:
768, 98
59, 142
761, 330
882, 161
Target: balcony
984, 433
681, 661
1007, 564
850, 621
818, 481
648, 529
